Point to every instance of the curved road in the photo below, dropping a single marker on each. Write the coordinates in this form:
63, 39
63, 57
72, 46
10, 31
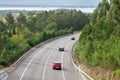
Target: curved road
38, 66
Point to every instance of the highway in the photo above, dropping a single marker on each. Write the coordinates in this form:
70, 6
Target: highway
38, 66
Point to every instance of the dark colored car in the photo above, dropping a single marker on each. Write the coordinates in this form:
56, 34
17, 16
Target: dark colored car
73, 38
56, 65
61, 48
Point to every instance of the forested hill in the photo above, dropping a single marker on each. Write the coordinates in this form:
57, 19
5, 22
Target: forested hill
20, 32
99, 43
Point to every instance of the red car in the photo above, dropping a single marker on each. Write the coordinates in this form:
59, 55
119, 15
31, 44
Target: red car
56, 65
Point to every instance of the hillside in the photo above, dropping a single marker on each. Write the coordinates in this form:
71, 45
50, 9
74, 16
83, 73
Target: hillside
99, 43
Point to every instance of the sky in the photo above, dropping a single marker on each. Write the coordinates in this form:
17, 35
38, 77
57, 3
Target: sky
53, 2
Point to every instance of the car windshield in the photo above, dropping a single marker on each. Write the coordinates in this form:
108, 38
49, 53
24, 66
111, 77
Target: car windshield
58, 63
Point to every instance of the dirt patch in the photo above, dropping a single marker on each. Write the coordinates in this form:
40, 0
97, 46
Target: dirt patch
10, 70
98, 73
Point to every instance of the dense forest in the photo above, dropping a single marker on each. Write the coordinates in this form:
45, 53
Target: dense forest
99, 43
19, 33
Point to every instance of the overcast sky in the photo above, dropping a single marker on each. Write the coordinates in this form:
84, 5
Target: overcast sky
52, 2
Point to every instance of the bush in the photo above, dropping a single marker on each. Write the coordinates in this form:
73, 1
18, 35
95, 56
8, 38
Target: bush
118, 72
13, 50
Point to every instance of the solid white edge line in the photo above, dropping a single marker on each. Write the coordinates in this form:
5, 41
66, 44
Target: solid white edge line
43, 76
78, 68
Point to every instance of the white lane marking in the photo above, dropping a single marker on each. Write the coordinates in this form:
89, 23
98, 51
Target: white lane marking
30, 63
43, 77
62, 62
62, 66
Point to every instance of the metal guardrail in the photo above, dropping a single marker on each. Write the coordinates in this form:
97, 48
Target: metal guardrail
78, 67
4, 74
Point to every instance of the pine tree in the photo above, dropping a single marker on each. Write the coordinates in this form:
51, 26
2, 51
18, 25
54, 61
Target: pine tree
115, 10
10, 23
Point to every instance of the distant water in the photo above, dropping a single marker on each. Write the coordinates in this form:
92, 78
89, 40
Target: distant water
86, 10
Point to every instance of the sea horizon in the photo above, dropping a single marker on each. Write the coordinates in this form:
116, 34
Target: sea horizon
85, 10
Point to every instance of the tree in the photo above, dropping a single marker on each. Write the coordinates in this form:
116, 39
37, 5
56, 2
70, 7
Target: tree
101, 11
21, 19
21, 22
31, 24
61, 21
3, 29
115, 10
2, 32
51, 26
104, 7
94, 16
10, 23
41, 20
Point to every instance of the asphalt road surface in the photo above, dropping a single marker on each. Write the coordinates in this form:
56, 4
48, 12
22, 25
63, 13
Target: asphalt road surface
38, 66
